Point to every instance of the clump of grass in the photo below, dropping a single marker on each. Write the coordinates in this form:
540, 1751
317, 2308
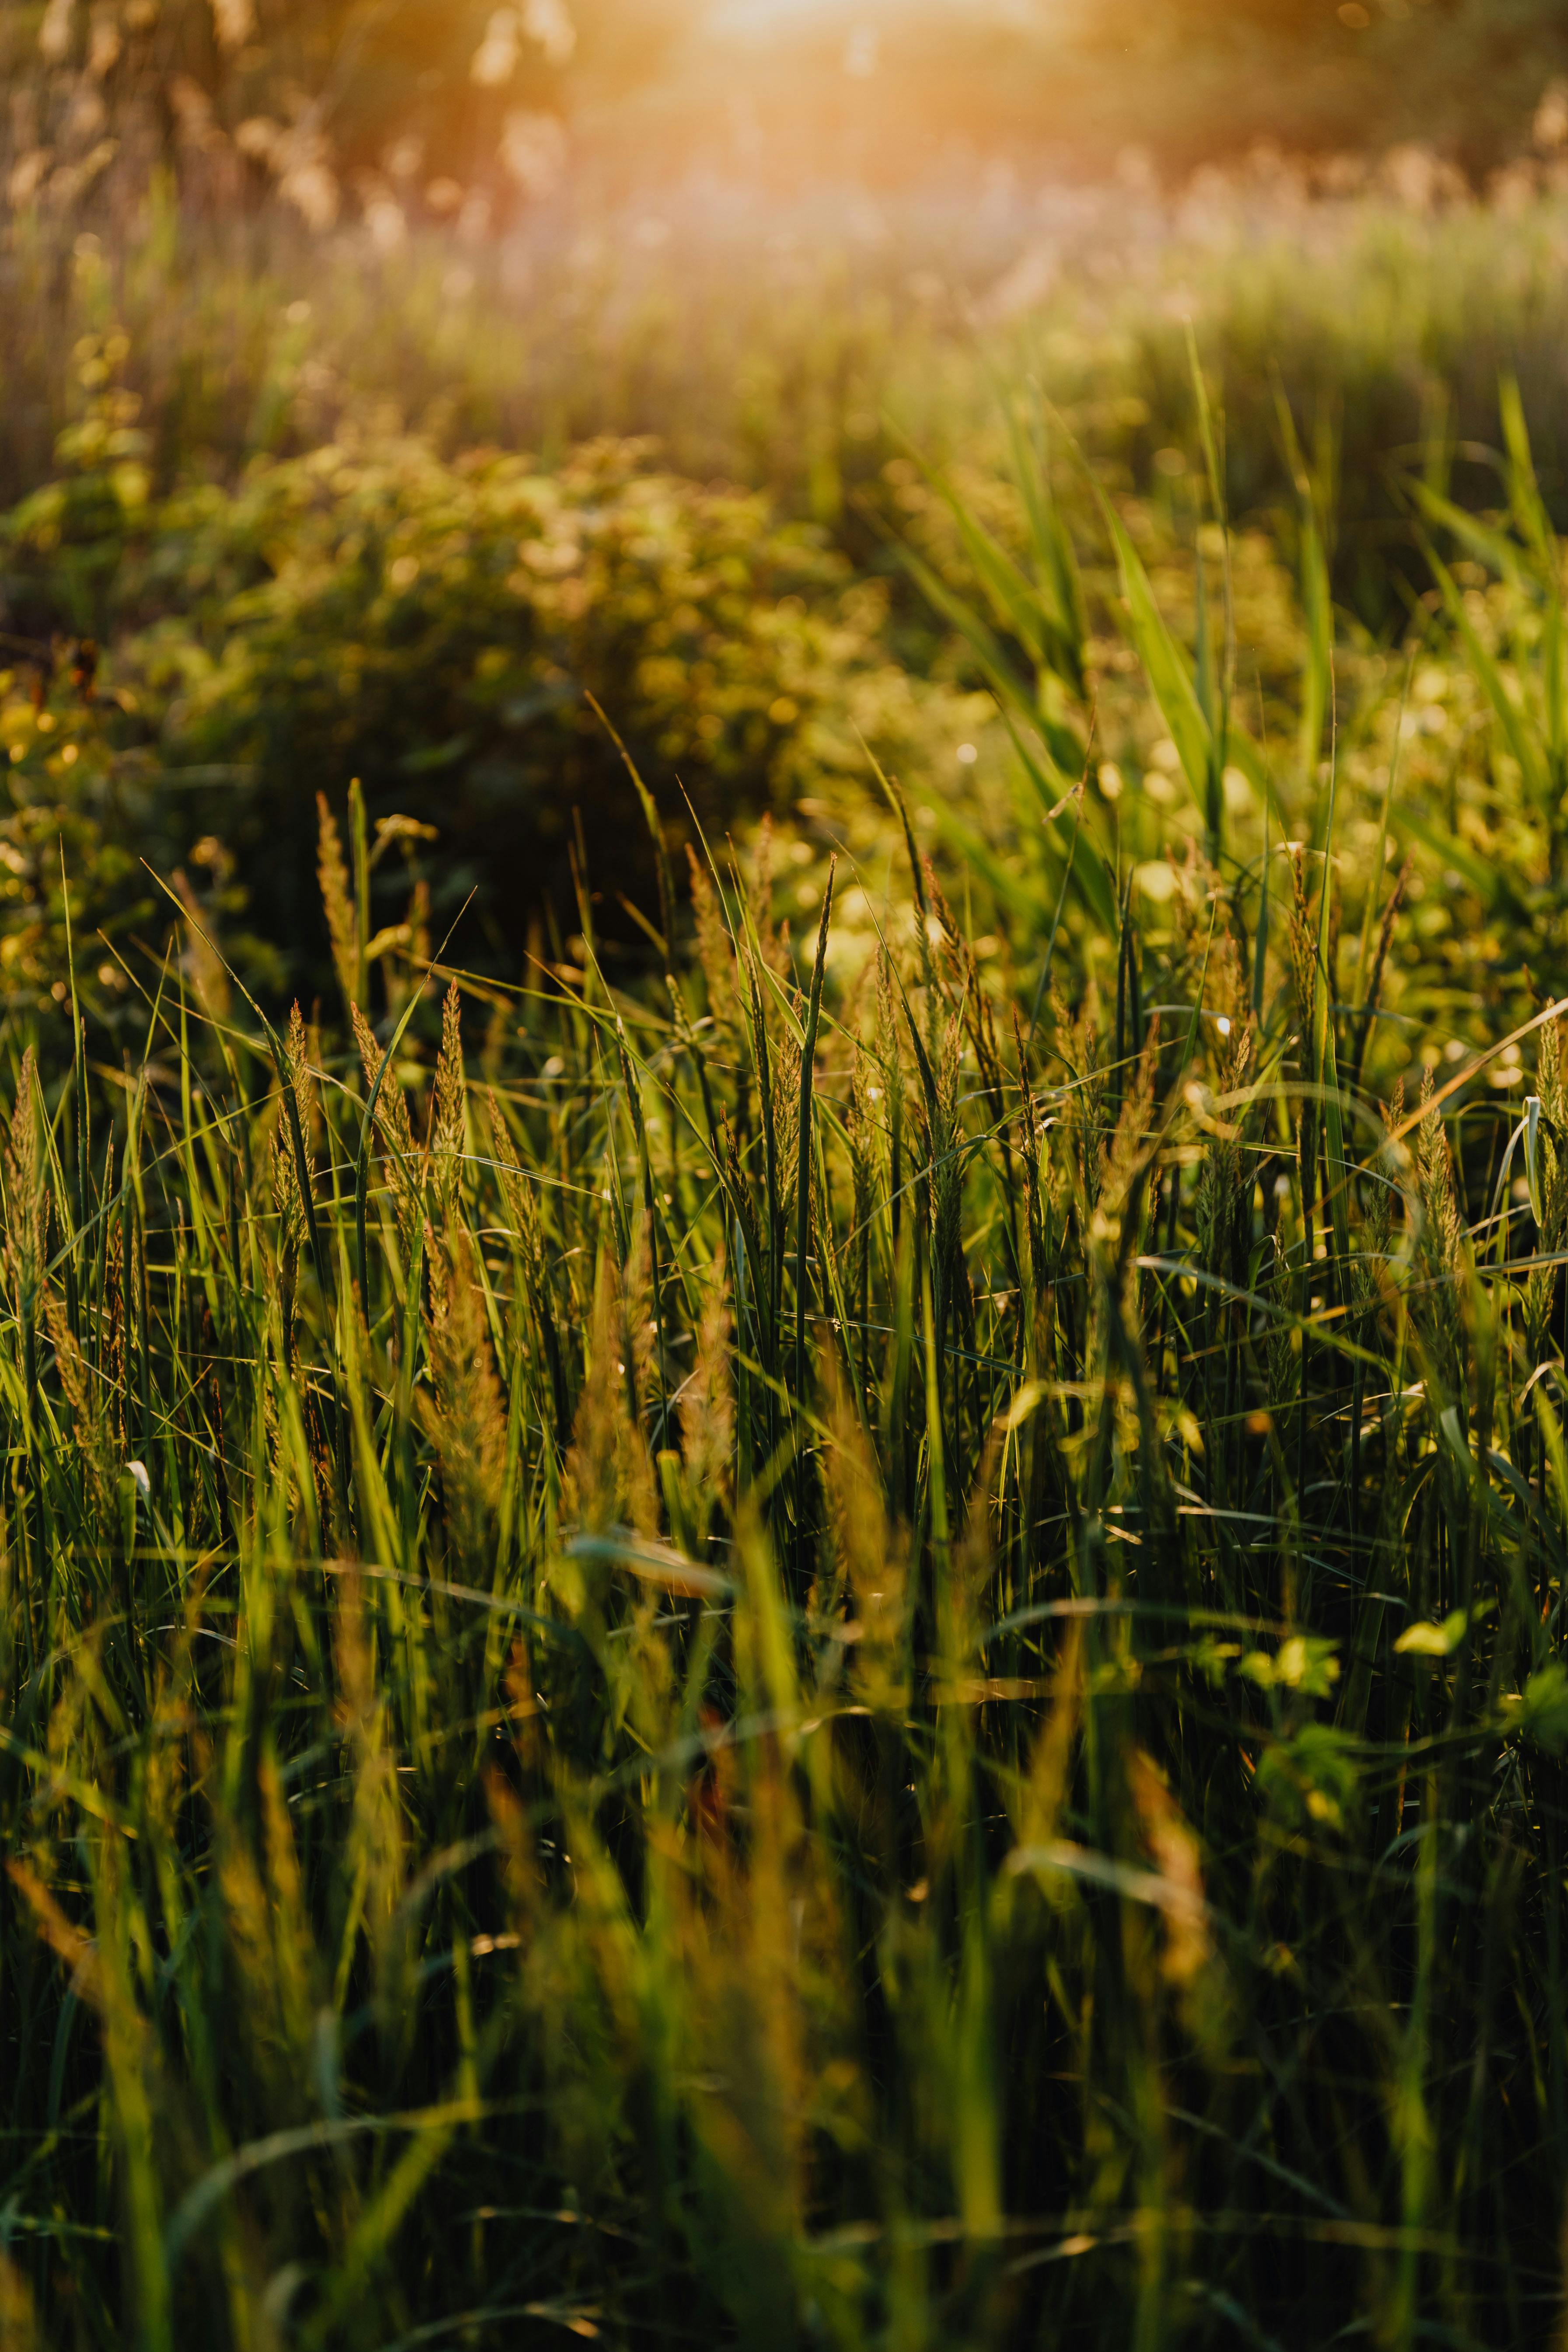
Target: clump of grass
778, 1657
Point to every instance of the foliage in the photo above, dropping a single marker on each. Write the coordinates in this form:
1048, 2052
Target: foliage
784, 347
852, 1645
848, 1629
1464, 75
441, 631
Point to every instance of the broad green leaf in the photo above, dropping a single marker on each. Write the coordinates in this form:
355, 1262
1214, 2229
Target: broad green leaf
1541, 1710
1426, 1640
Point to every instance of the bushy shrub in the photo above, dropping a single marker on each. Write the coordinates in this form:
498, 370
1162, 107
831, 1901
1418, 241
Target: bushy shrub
441, 630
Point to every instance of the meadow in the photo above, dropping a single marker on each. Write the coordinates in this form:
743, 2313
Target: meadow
784, 1565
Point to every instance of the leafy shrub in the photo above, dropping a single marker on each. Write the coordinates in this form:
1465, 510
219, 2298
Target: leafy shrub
437, 629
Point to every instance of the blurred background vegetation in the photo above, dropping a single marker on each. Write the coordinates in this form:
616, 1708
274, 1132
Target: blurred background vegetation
356, 103
336, 328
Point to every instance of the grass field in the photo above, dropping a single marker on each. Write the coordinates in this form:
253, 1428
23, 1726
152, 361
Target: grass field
831, 1614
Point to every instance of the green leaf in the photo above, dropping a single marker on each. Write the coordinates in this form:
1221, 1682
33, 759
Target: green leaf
1490, 885
1516, 721
1061, 590
1426, 1640
1487, 544
1000, 674
1310, 1778
1325, 1066
1532, 1158
1317, 689
1523, 490
1307, 1662
1087, 868
1166, 665
1541, 1710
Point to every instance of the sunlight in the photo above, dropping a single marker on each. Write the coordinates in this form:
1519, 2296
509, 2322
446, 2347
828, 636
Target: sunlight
775, 15
766, 16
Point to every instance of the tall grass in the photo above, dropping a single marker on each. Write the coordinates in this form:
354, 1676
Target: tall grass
795, 1653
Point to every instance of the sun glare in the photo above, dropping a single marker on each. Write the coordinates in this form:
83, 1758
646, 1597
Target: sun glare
764, 15
772, 15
